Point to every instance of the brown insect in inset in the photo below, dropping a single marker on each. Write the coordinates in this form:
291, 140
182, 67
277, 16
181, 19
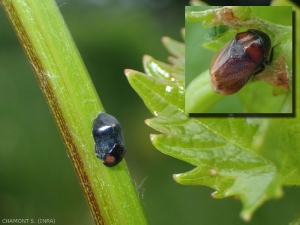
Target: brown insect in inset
238, 60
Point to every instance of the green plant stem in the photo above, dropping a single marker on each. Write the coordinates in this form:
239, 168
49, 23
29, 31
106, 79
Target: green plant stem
68, 89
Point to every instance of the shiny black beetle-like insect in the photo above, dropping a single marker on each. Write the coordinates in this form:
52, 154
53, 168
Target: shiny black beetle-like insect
109, 142
238, 60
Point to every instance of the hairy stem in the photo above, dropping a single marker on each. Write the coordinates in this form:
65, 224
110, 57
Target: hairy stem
74, 103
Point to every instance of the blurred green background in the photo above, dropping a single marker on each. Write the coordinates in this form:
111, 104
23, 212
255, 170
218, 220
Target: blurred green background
36, 176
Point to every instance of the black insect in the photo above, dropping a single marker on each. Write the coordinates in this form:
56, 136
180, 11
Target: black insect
109, 142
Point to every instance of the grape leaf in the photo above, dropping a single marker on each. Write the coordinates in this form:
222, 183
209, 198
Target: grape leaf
248, 158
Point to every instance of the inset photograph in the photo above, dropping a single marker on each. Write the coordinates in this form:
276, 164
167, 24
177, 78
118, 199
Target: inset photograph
239, 60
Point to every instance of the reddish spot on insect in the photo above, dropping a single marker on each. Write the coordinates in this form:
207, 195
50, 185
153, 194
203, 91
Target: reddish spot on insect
238, 60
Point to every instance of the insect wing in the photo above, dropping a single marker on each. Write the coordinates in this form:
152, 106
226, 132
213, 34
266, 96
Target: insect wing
232, 76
